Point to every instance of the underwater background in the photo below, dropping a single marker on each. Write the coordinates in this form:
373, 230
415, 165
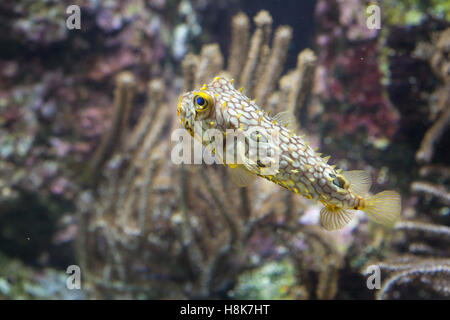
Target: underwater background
86, 179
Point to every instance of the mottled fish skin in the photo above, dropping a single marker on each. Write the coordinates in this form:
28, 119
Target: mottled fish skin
301, 169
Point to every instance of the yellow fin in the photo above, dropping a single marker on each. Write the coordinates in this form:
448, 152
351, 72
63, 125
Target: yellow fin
286, 119
253, 167
384, 207
241, 177
334, 219
359, 181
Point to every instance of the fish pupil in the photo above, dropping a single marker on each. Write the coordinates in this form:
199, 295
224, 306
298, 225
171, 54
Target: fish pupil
200, 101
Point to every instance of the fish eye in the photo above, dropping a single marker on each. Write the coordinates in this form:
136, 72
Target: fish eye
202, 101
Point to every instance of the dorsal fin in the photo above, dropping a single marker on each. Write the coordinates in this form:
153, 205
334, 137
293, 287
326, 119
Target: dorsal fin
286, 119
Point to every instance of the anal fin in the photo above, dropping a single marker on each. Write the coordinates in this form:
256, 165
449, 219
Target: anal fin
334, 219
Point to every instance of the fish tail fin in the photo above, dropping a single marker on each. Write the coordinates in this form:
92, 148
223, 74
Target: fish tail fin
335, 218
383, 208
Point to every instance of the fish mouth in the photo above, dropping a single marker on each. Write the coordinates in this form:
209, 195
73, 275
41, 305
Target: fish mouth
184, 113
180, 100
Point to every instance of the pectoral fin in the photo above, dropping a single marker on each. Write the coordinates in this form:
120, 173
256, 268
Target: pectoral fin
241, 177
359, 181
334, 219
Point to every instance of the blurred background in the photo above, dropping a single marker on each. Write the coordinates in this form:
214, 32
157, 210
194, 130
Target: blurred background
85, 123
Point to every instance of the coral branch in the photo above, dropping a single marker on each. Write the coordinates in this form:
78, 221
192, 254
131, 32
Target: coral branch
239, 45
431, 189
440, 170
155, 94
259, 41
302, 80
123, 96
274, 66
189, 65
435, 276
426, 150
210, 64
425, 229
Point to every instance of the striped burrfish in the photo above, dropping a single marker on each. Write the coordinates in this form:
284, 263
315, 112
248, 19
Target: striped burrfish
300, 168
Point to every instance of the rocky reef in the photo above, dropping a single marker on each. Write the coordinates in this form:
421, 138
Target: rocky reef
418, 266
